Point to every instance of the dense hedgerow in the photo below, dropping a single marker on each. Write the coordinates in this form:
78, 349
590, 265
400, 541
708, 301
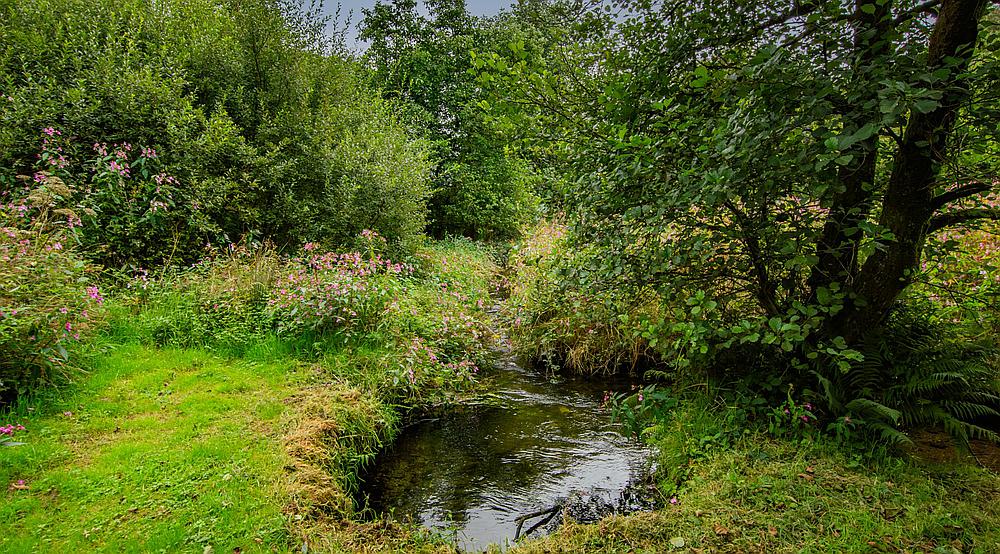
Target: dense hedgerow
260, 128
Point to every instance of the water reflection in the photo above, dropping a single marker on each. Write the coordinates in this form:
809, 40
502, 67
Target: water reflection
474, 471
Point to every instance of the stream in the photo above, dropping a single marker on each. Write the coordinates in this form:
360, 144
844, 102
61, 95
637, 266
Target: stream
471, 473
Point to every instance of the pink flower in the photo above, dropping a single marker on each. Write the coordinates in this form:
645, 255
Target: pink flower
95, 294
673, 500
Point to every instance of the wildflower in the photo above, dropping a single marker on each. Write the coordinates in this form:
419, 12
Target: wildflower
804, 418
95, 294
673, 500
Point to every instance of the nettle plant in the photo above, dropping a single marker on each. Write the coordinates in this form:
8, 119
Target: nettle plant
47, 302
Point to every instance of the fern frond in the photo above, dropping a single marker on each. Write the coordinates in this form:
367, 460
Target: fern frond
870, 409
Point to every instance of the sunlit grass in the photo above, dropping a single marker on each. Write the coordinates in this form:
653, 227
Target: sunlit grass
156, 449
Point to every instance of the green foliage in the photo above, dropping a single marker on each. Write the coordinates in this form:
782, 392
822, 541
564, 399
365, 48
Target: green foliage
792, 419
564, 324
46, 305
916, 374
221, 302
264, 130
481, 189
639, 412
428, 325
773, 187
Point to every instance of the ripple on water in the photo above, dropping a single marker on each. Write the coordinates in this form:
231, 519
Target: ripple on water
472, 473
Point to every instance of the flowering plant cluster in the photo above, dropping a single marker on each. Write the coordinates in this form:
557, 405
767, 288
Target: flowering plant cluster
7, 433
46, 304
421, 368
641, 409
141, 209
325, 291
792, 419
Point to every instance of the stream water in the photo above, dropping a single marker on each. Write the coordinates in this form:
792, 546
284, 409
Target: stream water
474, 471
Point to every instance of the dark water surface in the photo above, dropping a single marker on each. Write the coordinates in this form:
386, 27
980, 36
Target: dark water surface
474, 471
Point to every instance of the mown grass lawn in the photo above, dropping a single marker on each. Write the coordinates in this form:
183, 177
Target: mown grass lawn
156, 450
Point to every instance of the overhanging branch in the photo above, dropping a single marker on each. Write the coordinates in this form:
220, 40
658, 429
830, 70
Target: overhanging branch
959, 193
959, 217
920, 8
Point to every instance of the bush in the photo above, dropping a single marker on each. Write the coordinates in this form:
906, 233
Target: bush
556, 321
260, 132
486, 197
47, 304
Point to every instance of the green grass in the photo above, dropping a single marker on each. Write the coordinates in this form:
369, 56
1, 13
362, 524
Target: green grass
156, 450
177, 439
758, 494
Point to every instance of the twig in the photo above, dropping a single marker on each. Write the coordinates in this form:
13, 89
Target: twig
521, 519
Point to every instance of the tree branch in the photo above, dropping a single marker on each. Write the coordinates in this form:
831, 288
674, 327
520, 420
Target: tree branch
797, 10
959, 217
963, 191
918, 9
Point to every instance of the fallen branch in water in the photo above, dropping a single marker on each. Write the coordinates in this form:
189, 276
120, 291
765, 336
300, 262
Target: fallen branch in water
549, 513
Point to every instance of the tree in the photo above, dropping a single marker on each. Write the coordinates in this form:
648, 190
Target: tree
482, 189
772, 171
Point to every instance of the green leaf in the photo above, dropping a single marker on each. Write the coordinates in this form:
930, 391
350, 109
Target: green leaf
926, 105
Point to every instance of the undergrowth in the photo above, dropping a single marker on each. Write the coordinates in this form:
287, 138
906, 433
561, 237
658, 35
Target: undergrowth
205, 420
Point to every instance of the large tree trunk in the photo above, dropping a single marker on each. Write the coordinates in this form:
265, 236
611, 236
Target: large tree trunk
907, 206
838, 248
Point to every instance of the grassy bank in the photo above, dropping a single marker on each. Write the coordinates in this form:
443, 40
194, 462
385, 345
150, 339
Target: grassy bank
198, 428
763, 495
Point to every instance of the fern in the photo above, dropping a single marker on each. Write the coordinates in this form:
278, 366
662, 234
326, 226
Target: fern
914, 374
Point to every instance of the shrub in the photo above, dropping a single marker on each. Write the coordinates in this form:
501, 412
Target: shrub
260, 132
558, 321
47, 303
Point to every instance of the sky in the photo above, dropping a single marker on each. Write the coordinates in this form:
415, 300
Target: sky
475, 7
